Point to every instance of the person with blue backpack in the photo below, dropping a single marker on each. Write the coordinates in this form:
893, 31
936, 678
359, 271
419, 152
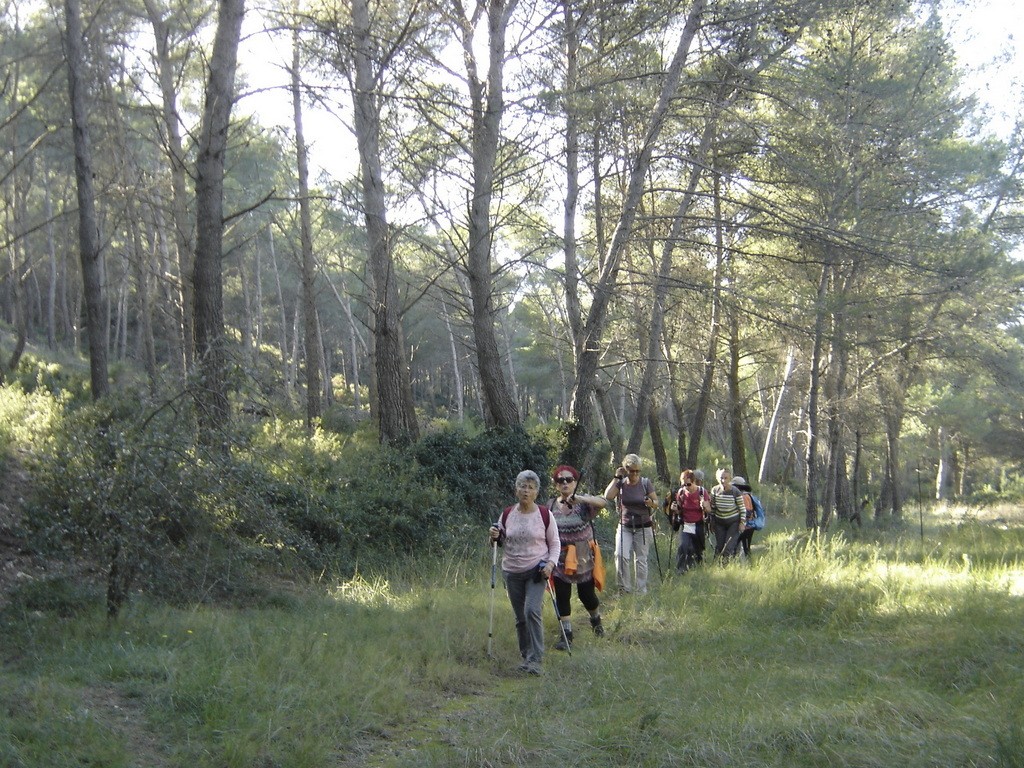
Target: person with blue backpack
753, 514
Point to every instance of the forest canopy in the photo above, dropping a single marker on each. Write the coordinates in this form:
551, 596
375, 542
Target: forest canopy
774, 236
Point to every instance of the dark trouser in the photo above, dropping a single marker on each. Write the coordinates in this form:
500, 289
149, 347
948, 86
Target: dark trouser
691, 548
745, 538
727, 534
527, 598
586, 591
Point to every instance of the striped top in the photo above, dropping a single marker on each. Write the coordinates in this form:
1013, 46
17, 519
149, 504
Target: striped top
725, 504
574, 527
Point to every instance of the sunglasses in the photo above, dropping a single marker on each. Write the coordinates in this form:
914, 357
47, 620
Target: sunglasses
689, 483
565, 479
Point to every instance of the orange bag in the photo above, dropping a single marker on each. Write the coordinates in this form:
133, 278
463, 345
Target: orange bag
598, 566
571, 561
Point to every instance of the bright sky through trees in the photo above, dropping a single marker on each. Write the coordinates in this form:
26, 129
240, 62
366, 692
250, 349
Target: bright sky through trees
987, 34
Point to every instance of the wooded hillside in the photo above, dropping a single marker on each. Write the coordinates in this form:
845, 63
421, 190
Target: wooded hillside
770, 235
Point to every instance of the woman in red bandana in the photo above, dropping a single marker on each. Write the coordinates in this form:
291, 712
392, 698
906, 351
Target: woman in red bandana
574, 513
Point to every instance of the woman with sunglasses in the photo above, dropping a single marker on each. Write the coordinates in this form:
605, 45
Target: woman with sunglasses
574, 514
690, 507
636, 500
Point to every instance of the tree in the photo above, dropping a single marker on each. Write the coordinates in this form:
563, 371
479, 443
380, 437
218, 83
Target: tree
314, 361
88, 228
589, 342
210, 389
486, 92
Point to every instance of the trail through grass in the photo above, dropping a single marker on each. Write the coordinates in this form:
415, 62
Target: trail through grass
868, 649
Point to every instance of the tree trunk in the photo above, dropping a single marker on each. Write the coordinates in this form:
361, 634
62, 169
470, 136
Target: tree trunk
679, 411
739, 451
396, 415
767, 456
314, 362
700, 410
183, 232
658, 445
612, 424
813, 394
88, 228
144, 280
589, 345
283, 340
487, 98
942, 470
211, 394
573, 307
460, 407
51, 254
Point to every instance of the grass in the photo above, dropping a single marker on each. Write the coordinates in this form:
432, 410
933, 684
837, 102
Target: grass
857, 649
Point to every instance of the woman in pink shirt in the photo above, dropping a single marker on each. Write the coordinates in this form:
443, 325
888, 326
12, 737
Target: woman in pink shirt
528, 535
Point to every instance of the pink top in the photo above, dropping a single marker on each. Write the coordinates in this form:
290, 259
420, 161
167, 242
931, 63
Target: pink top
526, 541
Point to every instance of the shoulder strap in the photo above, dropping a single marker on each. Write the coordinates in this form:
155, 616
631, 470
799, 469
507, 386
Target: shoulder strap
545, 515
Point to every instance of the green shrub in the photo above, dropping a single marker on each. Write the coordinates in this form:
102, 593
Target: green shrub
27, 416
479, 472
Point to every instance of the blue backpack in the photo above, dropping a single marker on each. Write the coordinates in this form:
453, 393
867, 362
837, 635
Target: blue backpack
757, 521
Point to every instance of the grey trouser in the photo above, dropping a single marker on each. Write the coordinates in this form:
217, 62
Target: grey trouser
630, 542
527, 598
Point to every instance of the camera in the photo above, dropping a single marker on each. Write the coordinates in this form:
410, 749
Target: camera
538, 573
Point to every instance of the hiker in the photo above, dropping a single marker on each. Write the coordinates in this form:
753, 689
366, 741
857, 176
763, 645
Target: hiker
574, 515
726, 515
690, 509
636, 502
753, 514
529, 537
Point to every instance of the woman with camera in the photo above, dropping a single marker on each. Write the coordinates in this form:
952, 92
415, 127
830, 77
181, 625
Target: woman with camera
636, 501
528, 535
574, 514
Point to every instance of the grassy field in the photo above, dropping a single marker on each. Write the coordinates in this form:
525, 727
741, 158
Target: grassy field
872, 648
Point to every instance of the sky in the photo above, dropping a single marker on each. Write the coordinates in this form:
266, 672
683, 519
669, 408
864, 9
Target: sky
988, 36
989, 39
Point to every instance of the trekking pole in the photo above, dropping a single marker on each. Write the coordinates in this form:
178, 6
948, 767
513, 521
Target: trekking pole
657, 553
549, 587
490, 620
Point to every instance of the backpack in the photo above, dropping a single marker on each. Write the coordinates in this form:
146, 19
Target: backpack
757, 521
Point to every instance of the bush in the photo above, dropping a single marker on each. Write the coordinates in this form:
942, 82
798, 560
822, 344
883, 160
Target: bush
125, 486
479, 472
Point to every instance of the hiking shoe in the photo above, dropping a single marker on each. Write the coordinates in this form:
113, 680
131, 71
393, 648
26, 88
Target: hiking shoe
597, 626
565, 642
534, 668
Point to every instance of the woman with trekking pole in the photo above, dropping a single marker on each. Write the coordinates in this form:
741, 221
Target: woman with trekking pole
690, 507
574, 515
726, 515
636, 501
528, 536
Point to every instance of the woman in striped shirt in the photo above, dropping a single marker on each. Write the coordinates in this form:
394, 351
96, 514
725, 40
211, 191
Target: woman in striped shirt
726, 515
